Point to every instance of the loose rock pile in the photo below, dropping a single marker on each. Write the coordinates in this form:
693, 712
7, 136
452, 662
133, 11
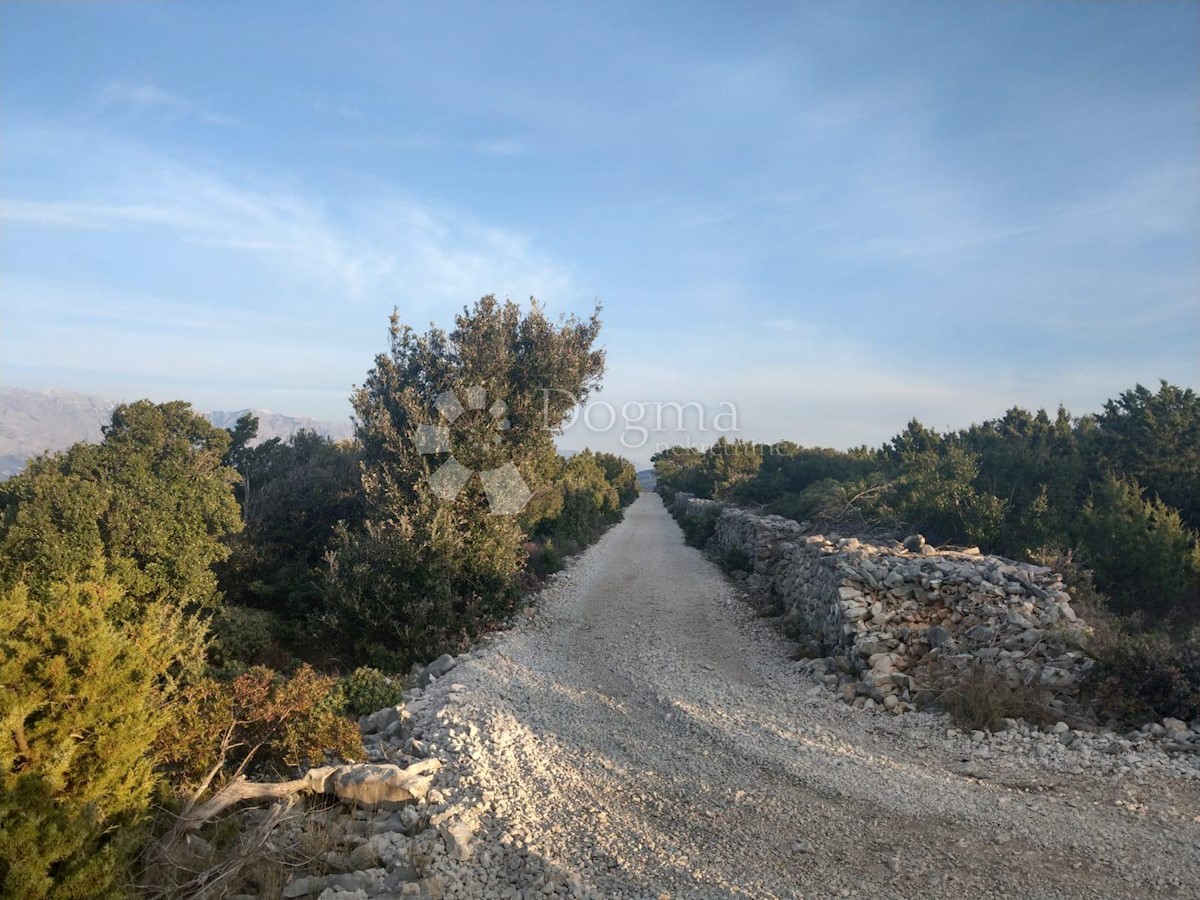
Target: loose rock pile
410, 823
887, 620
1146, 753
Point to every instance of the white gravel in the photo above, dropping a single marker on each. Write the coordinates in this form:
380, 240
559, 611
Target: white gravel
643, 734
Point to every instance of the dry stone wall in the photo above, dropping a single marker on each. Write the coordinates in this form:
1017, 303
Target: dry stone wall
889, 619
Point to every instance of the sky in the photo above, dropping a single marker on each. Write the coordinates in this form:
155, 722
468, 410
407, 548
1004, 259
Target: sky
815, 220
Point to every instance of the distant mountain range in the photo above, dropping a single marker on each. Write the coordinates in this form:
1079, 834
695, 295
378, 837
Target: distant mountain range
32, 422
277, 425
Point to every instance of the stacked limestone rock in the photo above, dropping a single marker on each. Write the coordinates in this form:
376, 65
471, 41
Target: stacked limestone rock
892, 616
686, 504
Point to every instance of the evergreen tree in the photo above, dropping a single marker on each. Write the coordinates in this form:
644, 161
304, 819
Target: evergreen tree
83, 695
1154, 438
454, 429
153, 500
1138, 548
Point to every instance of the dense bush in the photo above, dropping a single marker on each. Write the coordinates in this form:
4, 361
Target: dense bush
293, 493
1143, 677
405, 593
579, 498
936, 494
681, 469
621, 475
239, 636
428, 567
700, 528
717, 471
153, 500
1154, 438
788, 469
1138, 550
260, 717
83, 696
589, 501
545, 557
1118, 492
1119, 487
366, 690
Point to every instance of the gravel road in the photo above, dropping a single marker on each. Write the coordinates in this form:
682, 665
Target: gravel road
643, 734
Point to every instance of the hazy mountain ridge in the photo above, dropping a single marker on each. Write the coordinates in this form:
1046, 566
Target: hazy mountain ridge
277, 425
33, 422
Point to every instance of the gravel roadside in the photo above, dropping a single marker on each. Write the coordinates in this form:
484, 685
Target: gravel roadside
644, 734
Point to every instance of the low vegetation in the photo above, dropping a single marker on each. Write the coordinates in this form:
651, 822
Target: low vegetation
180, 605
1112, 499
981, 698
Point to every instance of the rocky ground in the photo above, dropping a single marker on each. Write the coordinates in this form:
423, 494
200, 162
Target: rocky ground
643, 734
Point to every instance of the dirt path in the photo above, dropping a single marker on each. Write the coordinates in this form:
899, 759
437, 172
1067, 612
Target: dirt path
644, 734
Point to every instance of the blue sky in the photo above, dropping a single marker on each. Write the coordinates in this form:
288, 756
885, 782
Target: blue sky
835, 216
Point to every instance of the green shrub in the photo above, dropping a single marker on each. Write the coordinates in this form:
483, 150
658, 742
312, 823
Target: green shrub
1141, 678
366, 690
391, 602
545, 558
699, 528
937, 494
243, 636
551, 557
1138, 548
153, 500
277, 722
736, 561
82, 698
293, 493
580, 501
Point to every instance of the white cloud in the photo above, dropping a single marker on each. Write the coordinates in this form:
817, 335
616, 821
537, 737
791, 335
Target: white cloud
1156, 202
265, 289
140, 100
344, 111
500, 147
364, 248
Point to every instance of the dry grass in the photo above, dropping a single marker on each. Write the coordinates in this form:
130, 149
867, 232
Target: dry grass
979, 697
249, 850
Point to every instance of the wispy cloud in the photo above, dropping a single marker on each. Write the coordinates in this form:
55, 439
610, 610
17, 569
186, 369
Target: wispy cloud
341, 110
141, 99
94, 306
364, 247
502, 147
432, 142
202, 209
1155, 202
146, 100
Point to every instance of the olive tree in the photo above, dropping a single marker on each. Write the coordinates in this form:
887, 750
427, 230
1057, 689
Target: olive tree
455, 431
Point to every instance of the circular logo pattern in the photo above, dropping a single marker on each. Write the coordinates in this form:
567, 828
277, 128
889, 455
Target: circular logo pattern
506, 490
